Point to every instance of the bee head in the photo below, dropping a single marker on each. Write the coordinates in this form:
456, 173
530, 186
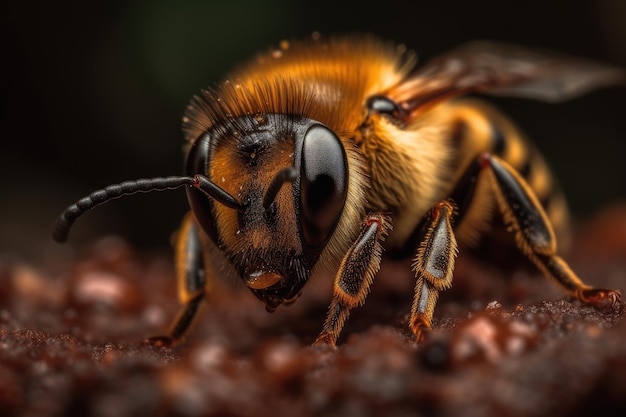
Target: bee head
290, 178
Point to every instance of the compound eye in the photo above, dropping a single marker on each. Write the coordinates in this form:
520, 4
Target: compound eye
200, 204
323, 184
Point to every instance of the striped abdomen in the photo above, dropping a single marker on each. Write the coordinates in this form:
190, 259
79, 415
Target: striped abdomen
481, 128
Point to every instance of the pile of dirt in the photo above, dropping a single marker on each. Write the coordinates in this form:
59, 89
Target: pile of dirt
504, 342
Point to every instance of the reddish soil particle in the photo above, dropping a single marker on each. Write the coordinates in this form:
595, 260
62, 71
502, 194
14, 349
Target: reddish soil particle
504, 343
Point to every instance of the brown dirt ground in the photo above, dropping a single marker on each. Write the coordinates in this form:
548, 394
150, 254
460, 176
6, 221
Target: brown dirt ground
504, 342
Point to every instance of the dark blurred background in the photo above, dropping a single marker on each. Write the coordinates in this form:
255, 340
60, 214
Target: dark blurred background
93, 94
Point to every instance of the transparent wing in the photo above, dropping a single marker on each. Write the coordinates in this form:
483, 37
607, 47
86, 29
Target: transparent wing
503, 70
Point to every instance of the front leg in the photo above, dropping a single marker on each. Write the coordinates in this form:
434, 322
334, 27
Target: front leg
191, 278
355, 276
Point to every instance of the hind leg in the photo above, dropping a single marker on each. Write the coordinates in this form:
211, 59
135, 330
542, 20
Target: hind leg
534, 235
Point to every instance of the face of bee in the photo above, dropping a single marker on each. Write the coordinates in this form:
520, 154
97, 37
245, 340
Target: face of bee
290, 175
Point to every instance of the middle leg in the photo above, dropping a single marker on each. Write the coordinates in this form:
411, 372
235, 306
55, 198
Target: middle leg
433, 266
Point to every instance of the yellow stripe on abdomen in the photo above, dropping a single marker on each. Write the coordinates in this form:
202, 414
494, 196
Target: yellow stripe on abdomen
485, 129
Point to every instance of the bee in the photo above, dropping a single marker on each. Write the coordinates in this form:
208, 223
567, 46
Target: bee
323, 153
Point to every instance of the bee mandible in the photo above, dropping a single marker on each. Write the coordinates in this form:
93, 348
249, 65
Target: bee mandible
321, 154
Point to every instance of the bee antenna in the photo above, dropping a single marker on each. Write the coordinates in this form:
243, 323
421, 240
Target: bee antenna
209, 188
284, 175
145, 185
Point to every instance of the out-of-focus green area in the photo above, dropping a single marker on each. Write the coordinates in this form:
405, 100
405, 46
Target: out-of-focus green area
93, 93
